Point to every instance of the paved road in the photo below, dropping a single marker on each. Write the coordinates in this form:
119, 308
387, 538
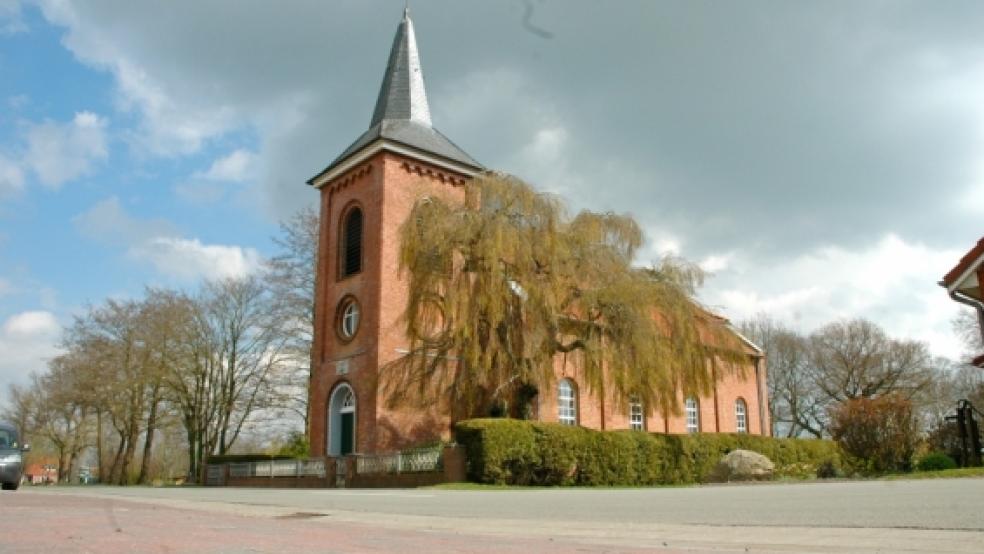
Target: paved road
878, 516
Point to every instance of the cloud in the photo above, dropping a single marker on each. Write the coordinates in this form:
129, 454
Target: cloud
107, 221
159, 243
11, 21
11, 176
237, 166
715, 263
787, 146
18, 101
892, 282
27, 324
189, 259
27, 341
60, 152
168, 126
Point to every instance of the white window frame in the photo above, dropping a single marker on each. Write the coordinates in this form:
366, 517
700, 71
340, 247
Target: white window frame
692, 411
348, 403
566, 402
349, 324
637, 416
741, 416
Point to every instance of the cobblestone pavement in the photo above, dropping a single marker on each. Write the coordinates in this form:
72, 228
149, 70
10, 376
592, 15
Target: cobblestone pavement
892, 516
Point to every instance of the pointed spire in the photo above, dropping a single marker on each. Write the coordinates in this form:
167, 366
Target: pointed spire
402, 94
401, 121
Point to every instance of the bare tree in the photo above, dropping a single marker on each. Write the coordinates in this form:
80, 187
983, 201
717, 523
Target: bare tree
855, 359
251, 351
114, 363
969, 330
838, 362
290, 276
59, 416
21, 404
939, 398
795, 402
233, 352
161, 332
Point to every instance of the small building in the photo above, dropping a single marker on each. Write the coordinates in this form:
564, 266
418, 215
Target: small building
42, 472
366, 193
963, 283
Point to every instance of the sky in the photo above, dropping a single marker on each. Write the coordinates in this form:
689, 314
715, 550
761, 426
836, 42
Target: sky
820, 160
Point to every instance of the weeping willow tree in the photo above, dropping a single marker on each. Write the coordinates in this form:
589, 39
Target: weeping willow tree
502, 284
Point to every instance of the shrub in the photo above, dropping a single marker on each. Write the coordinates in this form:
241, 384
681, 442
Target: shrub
878, 434
509, 451
240, 458
935, 461
296, 446
828, 470
945, 438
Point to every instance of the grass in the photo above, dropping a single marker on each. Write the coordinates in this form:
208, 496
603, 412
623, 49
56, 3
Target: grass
941, 474
469, 486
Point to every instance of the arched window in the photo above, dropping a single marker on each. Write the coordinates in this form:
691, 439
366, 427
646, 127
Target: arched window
350, 245
348, 318
637, 421
566, 402
692, 410
741, 416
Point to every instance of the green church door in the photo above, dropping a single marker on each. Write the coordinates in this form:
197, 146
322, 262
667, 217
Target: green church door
348, 423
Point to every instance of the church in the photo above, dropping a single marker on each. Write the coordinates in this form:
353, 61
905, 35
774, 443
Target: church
366, 194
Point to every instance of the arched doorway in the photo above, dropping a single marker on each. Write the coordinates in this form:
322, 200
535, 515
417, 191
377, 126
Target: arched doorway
341, 421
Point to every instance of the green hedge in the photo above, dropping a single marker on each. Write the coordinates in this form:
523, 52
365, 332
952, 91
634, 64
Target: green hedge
241, 458
516, 452
935, 461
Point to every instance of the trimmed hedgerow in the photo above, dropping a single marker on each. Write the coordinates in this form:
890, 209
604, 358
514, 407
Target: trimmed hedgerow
240, 458
516, 452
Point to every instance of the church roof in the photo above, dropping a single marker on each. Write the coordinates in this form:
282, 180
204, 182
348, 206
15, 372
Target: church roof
402, 114
969, 262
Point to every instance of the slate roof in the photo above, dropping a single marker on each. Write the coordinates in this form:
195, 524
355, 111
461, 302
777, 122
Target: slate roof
402, 114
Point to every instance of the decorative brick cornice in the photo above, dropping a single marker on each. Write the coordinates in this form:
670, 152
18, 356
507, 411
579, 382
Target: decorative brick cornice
430, 171
350, 177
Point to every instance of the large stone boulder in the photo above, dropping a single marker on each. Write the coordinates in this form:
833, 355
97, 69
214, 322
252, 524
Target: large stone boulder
743, 465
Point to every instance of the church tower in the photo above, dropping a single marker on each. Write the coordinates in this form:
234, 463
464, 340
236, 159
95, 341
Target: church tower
366, 194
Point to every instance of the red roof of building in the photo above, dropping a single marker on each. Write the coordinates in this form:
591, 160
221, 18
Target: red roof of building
964, 263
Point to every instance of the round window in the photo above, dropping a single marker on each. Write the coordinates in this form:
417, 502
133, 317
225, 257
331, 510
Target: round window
348, 320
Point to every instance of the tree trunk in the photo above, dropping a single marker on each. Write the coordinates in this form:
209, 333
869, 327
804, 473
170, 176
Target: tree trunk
149, 438
131, 450
117, 459
133, 430
100, 463
62, 464
72, 458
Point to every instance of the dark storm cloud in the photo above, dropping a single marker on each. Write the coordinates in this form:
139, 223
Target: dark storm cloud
766, 129
728, 118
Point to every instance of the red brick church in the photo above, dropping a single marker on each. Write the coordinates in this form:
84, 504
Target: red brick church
366, 194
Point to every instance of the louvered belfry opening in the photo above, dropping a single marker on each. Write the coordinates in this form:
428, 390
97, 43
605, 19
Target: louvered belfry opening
352, 243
